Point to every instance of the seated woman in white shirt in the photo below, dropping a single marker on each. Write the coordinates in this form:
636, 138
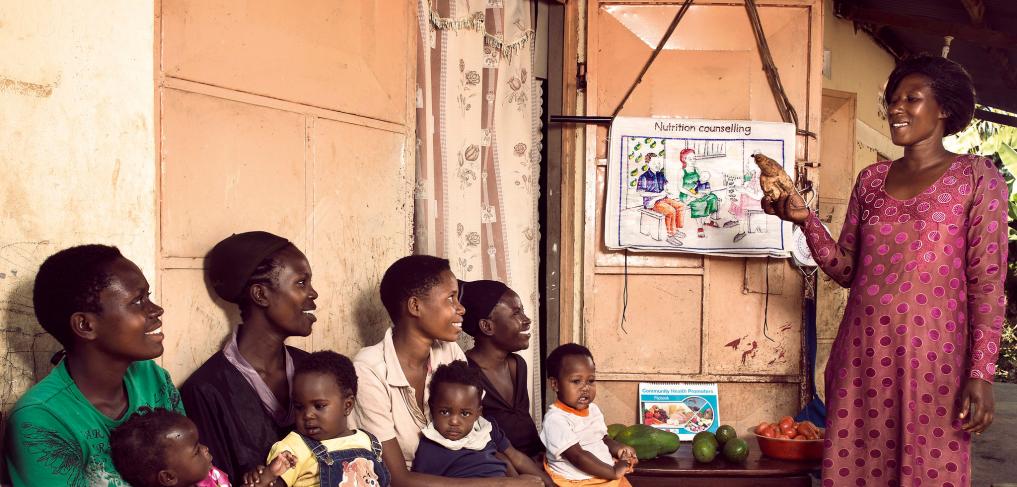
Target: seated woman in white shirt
420, 293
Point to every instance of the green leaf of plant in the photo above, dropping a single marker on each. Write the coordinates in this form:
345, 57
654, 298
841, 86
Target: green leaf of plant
1009, 157
967, 140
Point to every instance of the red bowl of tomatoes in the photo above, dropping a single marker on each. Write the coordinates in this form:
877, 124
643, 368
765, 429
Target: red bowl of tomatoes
788, 440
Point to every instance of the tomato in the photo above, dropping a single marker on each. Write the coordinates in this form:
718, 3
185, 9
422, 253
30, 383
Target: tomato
788, 430
768, 431
811, 427
805, 427
799, 437
786, 420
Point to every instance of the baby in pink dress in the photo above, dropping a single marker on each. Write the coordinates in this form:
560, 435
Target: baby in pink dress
157, 448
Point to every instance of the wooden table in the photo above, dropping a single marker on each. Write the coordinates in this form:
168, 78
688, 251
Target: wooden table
680, 469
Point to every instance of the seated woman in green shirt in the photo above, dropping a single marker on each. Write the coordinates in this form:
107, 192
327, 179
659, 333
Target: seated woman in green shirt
703, 204
96, 304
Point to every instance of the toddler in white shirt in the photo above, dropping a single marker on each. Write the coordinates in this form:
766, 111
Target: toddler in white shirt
579, 452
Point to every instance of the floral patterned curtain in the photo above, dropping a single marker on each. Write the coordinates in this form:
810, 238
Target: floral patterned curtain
477, 149
477, 164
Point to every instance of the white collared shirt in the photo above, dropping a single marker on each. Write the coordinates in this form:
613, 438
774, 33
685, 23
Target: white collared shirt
386, 403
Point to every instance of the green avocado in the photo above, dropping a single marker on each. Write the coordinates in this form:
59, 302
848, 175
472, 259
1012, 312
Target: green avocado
726, 433
667, 442
646, 448
641, 437
736, 450
635, 431
704, 451
706, 436
614, 429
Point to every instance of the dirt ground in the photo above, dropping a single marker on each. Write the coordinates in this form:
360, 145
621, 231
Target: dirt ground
994, 453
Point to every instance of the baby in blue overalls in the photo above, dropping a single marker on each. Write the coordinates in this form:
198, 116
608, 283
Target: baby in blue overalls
328, 452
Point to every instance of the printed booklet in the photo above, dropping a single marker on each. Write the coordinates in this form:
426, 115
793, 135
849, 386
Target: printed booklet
683, 408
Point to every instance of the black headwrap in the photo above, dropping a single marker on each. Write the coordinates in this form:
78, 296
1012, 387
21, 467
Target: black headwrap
479, 298
232, 261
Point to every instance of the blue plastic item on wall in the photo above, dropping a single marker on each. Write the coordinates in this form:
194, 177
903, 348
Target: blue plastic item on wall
815, 410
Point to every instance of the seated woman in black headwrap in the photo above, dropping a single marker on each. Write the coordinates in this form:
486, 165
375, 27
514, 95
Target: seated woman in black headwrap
240, 397
499, 325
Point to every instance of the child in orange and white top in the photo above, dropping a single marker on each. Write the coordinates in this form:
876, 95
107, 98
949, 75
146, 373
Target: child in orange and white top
579, 452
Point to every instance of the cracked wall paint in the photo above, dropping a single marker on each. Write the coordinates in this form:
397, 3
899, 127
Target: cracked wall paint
77, 153
24, 342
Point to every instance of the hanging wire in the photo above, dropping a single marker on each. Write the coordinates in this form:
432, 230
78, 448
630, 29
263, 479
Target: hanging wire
784, 106
660, 46
766, 301
625, 290
810, 275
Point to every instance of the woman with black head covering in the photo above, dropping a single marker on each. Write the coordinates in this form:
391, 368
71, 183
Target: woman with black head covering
240, 397
499, 326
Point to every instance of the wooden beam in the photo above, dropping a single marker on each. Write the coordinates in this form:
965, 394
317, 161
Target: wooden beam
932, 26
888, 40
996, 117
1002, 62
976, 12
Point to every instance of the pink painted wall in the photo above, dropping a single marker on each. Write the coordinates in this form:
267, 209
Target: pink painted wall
297, 121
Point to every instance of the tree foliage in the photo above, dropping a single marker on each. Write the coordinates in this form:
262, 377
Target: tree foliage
998, 142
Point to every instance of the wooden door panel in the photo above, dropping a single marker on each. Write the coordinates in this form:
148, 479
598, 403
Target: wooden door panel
663, 322
697, 30
228, 167
359, 199
786, 30
836, 180
349, 56
297, 121
710, 68
736, 340
196, 323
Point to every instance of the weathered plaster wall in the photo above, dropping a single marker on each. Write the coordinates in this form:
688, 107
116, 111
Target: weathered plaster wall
858, 65
260, 116
76, 154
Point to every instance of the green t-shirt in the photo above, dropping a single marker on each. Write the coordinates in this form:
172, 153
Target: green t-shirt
56, 437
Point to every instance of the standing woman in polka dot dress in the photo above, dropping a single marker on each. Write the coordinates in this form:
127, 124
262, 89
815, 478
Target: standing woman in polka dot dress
923, 250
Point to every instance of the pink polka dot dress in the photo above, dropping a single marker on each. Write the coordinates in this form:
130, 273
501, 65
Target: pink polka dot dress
924, 313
